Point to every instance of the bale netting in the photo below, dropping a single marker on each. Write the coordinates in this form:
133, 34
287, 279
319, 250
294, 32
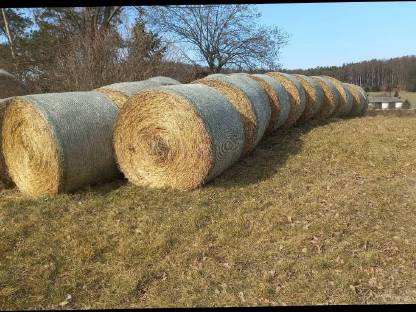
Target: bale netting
314, 97
278, 98
9, 85
345, 102
250, 100
121, 91
297, 96
164, 81
59, 142
179, 136
358, 100
331, 98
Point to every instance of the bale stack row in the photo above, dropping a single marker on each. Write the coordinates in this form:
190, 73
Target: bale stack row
59, 142
158, 132
183, 136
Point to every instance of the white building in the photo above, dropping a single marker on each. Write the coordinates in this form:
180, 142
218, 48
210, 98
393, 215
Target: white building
385, 102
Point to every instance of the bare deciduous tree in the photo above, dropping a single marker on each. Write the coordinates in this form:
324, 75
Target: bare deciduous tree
221, 35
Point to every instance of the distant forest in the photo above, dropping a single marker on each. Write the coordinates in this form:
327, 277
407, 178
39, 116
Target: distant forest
374, 75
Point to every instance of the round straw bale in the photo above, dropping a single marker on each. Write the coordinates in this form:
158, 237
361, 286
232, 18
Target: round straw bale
314, 97
59, 142
364, 94
4, 175
297, 96
164, 81
9, 85
249, 98
278, 98
345, 103
331, 98
177, 136
121, 91
358, 99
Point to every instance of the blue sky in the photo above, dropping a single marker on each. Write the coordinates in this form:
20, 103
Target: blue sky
325, 34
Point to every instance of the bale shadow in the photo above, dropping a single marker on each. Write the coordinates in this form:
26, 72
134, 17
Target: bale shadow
265, 161
268, 157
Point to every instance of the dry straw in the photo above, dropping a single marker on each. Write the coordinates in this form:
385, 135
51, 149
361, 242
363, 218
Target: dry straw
59, 142
364, 94
314, 97
4, 175
9, 85
297, 96
250, 100
331, 98
121, 91
178, 136
278, 98
358, 100
345, 103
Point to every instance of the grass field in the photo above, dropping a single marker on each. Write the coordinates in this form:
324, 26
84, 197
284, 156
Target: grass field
319, 214
404, 95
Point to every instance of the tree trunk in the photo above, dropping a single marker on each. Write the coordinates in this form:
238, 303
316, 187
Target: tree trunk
9, 36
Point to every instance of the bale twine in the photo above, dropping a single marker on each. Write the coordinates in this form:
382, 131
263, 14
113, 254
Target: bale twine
358, 99
177, 136
250, 100
297, 96
331, 98
314, 97
278, 98
59, 142
9, 85
345, 103
164, 81
121, 91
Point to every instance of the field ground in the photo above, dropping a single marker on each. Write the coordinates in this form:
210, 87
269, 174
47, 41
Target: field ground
317, 214
404, 95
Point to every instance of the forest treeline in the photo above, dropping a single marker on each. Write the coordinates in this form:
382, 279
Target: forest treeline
374, 75
68, 49
82, 48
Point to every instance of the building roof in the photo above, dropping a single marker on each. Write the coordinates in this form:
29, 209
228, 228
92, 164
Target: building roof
384, 99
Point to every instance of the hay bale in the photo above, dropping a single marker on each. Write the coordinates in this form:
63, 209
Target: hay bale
358, 100
250, 100
364, 94
278, 98
297, 96
331, 98
179, 136
164, 81
121, 91
9, 85
5, 179
314, 97
345, 103
59, 142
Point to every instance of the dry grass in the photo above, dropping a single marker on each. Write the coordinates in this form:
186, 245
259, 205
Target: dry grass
313, 216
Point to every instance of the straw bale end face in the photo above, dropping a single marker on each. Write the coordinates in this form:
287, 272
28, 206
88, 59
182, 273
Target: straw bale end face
177, 136
59, 142
30, 149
